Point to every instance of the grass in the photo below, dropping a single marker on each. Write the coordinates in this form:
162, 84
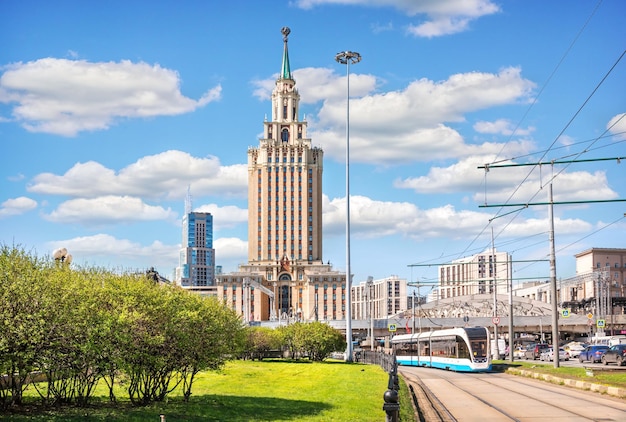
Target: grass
249, 391
605, 376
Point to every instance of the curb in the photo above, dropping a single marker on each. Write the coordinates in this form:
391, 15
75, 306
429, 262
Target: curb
581, 385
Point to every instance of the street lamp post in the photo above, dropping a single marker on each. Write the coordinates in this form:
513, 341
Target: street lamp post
348, 58
369, 284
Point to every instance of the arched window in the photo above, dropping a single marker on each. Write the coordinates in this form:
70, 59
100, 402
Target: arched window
284, 135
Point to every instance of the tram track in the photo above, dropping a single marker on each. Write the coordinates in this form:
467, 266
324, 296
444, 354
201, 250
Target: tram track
431, 408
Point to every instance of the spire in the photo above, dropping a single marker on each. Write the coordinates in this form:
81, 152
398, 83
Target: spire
285, 71
188, 202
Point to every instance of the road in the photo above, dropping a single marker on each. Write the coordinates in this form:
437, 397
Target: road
451, 396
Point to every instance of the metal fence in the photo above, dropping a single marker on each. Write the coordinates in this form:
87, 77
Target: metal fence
387, 361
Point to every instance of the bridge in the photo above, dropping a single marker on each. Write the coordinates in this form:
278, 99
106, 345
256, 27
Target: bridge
531, 318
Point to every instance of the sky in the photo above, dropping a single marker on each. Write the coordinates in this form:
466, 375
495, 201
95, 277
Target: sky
110, 111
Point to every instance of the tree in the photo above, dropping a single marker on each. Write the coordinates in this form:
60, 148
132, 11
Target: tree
260, 340
321, 340
23, 319
74, 359
210, 333
314, 339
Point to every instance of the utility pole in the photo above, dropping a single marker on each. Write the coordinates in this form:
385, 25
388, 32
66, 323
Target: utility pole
495, 295
555, 305
550, 203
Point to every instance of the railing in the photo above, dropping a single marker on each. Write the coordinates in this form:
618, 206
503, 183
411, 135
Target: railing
384, 360
389, 364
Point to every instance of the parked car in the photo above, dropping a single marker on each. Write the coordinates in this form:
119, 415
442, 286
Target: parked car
548, 354
615, 354
592, 353
533, 351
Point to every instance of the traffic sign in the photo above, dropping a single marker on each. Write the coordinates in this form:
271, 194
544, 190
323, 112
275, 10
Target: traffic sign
600, 323
565, 313
495, 320
590, 315
392, 327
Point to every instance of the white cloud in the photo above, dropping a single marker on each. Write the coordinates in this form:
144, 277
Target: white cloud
376, 219
377, 28
413, 132
164, 175
617, 126
443, 17
230, 251
17, 206
512, 184
65, 97
501, 127
108, 209
371, 218
99, 248
225, 217
319, 84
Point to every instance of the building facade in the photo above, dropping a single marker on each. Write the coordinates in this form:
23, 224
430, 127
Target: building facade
477, 274
599, 286
285, 276
196, 270
379, 299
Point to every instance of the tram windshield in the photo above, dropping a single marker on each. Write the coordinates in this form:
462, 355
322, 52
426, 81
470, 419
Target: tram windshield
479, 348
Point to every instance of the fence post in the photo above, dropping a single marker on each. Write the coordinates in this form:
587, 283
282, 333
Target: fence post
392, 405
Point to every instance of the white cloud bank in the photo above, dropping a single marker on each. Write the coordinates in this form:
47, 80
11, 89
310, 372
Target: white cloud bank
17, 206
65, 97
443, 17
107, 209
163, 175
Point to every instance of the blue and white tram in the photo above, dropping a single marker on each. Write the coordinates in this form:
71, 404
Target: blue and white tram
456, 349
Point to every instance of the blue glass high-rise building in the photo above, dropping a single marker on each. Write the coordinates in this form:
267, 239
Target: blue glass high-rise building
197, 256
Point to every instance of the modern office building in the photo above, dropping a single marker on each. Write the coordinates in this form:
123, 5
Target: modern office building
477, 274
285, 276
196, 270
379, 299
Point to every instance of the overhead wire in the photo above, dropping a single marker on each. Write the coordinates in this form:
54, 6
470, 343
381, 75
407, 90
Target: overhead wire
579, 240
552, 145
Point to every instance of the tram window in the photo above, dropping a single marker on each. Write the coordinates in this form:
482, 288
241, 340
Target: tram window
479, 348
405, 349
463, 350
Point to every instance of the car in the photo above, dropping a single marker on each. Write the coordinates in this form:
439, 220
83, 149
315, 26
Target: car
574, 349
533, 351
548, 354
519, 352
593, 353
615, 354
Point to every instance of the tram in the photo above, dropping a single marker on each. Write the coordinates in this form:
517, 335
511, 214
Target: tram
456, 349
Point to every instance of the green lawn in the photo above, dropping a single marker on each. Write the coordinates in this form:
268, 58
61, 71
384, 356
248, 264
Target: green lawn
251, 391
608, 375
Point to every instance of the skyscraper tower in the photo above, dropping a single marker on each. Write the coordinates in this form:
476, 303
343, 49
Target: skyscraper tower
196, 270
285, 182
285, 276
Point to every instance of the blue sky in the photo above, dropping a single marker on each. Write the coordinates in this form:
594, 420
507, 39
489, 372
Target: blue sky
110, 110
